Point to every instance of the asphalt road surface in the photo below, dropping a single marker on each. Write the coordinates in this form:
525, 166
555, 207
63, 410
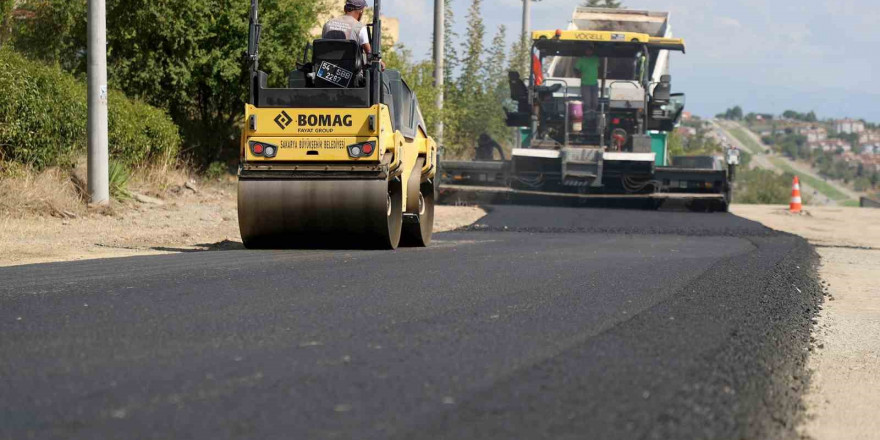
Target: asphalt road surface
538, 323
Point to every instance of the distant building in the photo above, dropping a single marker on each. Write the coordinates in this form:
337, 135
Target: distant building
686, 116
813, 133
869, 137
849, 126
830, 145
873, 149
870, 163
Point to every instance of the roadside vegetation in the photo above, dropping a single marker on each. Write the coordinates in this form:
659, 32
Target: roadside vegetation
43, 120
193, 70
700, 144
819, 185
183, 57
784, 135
748, 141
476, 88
763, 187
44, 137
174, 104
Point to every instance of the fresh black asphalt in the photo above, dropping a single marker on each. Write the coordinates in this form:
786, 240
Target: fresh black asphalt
536, 323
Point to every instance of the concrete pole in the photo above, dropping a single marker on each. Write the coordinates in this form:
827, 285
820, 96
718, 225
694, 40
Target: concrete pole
439, 59
99, 185
526, 28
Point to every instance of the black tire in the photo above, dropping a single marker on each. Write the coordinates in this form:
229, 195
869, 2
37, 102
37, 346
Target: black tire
418, 231
395, 217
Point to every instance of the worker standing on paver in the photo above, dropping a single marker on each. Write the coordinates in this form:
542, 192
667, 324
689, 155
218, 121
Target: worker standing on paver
588, 67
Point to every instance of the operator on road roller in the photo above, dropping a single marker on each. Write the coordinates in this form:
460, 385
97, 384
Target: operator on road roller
340, 158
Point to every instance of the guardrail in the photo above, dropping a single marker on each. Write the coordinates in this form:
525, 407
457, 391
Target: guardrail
867, 202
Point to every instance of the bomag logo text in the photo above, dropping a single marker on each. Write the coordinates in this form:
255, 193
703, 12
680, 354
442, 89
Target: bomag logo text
324, 121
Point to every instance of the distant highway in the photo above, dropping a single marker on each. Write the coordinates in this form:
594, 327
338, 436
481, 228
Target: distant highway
536, 323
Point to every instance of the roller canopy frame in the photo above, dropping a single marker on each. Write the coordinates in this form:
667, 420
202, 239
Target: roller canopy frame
264, 97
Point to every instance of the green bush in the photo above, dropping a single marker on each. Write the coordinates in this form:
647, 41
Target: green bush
759, 186
217, 170
44, 114
118, 179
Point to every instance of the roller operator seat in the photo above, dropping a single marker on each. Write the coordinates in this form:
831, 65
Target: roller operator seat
340, 53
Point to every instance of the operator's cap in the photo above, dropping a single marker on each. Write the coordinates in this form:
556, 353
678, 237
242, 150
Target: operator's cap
356, 4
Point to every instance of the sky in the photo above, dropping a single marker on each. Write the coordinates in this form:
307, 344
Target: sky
764, 55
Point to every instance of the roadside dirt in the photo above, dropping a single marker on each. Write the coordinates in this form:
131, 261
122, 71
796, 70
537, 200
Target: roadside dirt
844, 395
204, 219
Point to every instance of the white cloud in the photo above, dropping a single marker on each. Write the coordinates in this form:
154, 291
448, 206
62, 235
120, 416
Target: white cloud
728, 22
762, 51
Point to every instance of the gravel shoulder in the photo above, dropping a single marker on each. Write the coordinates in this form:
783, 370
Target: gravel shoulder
844, 394
194, 220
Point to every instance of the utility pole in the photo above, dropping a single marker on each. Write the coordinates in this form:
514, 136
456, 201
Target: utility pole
99, 158
439, 58
525, 36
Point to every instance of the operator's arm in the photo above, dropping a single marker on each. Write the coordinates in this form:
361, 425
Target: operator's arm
364, 40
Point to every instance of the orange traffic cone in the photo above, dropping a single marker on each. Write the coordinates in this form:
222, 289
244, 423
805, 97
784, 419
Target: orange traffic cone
796, 205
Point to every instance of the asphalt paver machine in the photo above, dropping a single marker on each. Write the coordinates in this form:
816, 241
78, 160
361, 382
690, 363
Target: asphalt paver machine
610, 148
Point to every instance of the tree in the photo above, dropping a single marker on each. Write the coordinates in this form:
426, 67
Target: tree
762, 187
476, 87
6, 7
803, 117
450, 59
732, 114
676, 144
56, 33
476, 97
736, 113
472, 52
183, 56
519, 57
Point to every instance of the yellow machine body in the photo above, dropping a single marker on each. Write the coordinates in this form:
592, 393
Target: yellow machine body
312, 186
340, 157
586, 36
314, 136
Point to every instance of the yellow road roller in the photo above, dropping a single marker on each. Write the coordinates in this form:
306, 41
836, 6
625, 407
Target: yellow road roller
340, 158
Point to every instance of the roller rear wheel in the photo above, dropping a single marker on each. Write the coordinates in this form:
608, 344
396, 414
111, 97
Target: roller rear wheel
418, 227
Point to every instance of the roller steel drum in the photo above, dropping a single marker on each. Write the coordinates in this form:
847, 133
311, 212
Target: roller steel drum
320, 213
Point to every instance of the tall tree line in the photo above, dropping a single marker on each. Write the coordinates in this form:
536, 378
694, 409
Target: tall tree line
185, 57
182, 56
475, 73
5, 14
